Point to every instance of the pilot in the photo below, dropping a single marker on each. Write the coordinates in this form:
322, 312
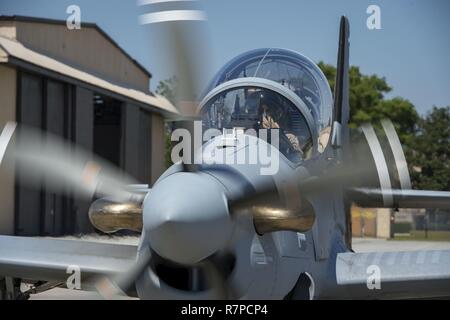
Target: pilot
273, 117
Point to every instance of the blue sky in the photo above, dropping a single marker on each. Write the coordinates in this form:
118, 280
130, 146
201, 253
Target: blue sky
412, 50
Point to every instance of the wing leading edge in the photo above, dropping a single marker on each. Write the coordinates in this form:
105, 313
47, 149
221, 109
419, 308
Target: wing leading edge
394, 275
53, 259
374, 198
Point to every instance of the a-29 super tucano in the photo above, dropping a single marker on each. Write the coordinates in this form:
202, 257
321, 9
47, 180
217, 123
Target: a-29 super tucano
213, 231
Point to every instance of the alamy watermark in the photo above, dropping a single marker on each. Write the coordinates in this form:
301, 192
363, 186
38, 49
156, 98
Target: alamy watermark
244, 148
374, 20
73, 21
373, 277
74, 280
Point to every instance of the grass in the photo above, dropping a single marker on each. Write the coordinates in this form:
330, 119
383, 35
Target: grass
420, 236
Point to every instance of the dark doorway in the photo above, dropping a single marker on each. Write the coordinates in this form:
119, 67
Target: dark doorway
108, 128
29, 201
54, 122
91, 121
41, 104
145, 151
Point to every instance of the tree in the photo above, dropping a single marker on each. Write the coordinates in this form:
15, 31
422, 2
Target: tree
368, 103
430, 156
425, 140
167, 88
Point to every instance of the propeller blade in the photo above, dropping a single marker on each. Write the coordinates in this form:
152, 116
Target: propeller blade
183, 37
274, 210
185, 56
112, 288
342, 174
42, 159
215, 268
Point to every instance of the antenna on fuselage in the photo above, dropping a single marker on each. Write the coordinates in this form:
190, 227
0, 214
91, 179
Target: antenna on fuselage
341, 110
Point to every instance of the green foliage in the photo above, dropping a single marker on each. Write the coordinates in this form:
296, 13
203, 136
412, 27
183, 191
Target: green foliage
430, 155
168, 146
167, 88
401, 227
368, 104
425, 141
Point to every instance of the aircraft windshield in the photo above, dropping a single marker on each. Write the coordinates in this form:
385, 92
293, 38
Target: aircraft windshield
291, 70
256, 108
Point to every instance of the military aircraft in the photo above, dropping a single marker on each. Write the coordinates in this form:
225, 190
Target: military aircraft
225, 230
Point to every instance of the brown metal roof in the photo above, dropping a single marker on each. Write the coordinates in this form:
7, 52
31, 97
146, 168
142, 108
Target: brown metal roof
83, 24
12, 50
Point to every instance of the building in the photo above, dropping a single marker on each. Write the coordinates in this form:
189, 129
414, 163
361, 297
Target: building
78, 84
371, 222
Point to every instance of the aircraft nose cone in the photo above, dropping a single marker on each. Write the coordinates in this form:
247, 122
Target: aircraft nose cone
186, 217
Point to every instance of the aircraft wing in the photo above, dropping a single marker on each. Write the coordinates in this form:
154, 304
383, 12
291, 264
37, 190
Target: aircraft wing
376, 198
401, 275
49, 259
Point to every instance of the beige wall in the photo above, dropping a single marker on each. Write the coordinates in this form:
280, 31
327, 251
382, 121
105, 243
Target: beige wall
383, 223
86, 49
158, 147
8, 29
7, 113
371, 222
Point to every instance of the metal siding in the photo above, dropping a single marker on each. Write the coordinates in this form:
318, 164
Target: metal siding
158, 147
132, 137
29, 200
81, 48
83, 122
145, 151
8, 89
54, 125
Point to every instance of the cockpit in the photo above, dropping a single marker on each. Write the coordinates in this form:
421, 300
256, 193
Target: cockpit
257, 108
273, 89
